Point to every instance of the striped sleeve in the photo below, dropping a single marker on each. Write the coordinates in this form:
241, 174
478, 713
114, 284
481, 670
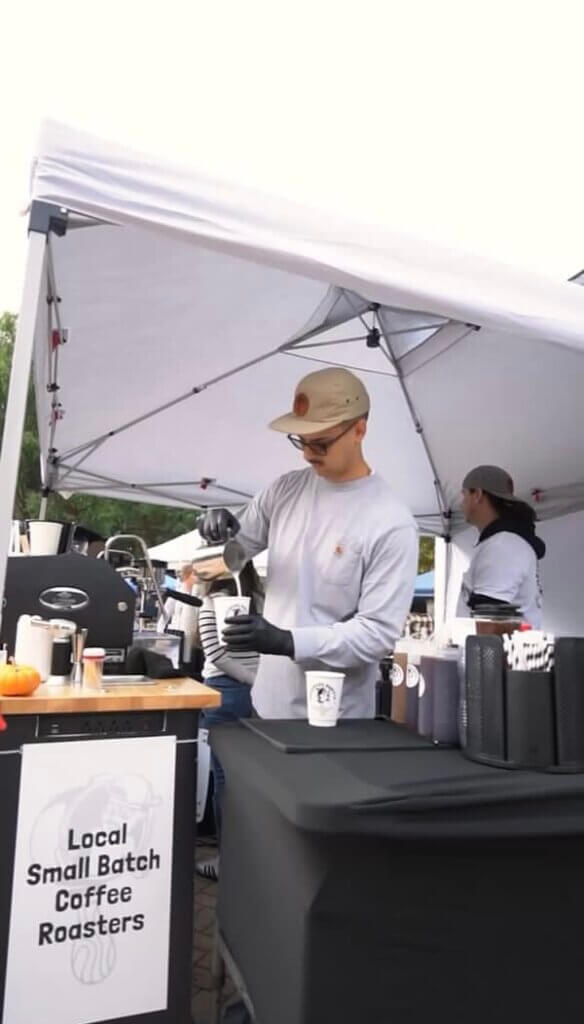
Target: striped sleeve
242, 667
208, 631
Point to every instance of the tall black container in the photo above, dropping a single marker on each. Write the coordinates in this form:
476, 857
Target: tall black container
525, 719
485, 699
569, 701
530, 738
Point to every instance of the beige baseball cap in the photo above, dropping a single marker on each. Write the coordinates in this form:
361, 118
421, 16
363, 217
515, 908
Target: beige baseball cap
323, 399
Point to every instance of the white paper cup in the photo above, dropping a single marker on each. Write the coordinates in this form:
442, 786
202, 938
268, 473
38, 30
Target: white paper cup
229, 608
323, 697
44, 537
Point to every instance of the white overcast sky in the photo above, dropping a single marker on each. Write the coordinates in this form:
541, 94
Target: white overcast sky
455, 119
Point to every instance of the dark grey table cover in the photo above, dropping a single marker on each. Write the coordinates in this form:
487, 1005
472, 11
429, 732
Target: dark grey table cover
298, 737
421, 792
399, 887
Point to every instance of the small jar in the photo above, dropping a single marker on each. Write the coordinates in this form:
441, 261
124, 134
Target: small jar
93, 659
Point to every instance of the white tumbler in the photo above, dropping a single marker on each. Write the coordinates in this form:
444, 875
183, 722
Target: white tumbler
44, 537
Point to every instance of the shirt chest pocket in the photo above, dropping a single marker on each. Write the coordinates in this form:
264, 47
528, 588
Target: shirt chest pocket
340, 563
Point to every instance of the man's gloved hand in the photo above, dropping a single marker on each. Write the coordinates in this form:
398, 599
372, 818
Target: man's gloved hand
218, 525
254, 633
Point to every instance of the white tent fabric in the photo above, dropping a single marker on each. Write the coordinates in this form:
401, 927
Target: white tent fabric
189, 546
204, 303
177, 550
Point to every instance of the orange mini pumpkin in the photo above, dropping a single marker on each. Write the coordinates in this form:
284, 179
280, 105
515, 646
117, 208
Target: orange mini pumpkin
18, 680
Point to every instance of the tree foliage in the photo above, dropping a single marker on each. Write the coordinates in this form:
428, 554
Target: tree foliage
155, 523
426, 559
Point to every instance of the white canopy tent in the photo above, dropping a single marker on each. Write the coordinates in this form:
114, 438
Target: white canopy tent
178, 550
172, 315
188, 546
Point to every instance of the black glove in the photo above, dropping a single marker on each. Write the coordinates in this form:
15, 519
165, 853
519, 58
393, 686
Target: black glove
218, 525
254, 633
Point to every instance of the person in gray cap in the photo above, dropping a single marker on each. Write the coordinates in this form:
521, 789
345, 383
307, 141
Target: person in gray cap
504, 565
343, 556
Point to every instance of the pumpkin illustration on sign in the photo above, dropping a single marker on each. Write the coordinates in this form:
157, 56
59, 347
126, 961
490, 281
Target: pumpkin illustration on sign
18, 680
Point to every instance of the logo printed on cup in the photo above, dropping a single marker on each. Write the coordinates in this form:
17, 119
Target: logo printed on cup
238, 608
397, 675
323, 694
229, 607
413, 676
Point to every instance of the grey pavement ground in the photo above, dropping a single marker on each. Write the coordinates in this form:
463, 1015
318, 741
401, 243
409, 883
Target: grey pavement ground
205, 901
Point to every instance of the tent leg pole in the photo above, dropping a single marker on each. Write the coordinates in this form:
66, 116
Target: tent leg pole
18, 391
43, 507
441, 555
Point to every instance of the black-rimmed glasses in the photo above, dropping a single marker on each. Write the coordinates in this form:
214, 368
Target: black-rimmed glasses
318, 447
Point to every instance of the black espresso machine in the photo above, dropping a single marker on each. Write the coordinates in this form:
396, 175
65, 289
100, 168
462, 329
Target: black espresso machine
85, 590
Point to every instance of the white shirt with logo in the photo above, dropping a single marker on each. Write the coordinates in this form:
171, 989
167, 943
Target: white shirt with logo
505, 567
341, 574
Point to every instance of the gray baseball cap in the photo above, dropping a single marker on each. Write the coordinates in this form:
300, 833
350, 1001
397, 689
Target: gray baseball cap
492, 479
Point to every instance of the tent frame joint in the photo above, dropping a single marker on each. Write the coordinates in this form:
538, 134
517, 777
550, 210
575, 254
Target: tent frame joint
47, 218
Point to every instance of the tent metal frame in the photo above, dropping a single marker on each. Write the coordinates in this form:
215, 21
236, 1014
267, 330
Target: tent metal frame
18, 391
64, 471
41, 286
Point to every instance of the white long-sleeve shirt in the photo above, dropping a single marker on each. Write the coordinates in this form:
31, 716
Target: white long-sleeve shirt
341, 574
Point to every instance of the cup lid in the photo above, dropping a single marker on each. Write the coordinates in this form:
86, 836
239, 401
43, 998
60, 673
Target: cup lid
496, 611
94, 652
38, 623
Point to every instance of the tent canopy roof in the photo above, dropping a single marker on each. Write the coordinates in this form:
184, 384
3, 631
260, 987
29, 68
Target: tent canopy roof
193, 306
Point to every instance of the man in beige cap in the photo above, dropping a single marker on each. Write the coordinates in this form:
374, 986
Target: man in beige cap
343, 556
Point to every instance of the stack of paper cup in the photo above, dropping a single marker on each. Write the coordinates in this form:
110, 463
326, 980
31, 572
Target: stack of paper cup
44, 537
323, 697
229, 608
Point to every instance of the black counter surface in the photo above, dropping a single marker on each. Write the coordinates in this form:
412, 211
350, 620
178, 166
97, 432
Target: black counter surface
415, 790
398, 886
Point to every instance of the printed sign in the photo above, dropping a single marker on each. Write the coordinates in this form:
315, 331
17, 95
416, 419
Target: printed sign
90, 916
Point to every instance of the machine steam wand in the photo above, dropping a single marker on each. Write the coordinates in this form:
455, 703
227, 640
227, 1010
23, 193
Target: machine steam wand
140, 542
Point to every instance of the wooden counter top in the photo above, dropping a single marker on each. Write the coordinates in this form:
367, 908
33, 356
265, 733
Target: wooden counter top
164, 695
